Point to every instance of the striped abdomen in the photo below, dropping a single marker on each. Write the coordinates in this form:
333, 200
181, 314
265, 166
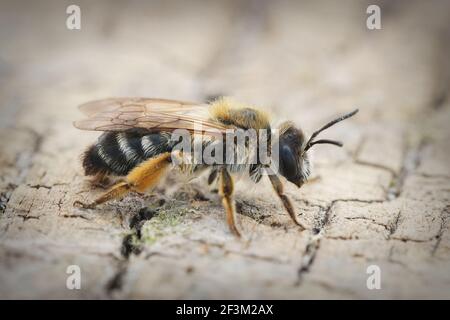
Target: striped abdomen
118, 152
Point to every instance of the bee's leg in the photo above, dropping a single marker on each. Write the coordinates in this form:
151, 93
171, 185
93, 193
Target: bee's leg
212, 176
279, 189
140, 179
226, 189
100, 180
115, 192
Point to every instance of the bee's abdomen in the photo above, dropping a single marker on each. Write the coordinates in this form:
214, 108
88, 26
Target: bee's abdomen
119, 152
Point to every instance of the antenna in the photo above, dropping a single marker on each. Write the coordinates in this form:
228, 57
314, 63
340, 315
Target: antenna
311, 141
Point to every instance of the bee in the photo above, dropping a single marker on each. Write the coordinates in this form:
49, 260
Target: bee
137, 144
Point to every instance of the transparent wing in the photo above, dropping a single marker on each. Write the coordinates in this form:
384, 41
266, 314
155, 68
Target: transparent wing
120, 114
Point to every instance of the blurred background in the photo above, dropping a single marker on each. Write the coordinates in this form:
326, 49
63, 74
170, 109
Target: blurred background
383, 199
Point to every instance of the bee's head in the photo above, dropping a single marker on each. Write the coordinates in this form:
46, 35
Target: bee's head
294, 162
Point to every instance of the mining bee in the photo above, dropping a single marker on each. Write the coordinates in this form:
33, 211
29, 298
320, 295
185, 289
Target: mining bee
137, 144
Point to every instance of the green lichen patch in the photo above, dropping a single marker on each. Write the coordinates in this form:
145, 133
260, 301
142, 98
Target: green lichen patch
167, 221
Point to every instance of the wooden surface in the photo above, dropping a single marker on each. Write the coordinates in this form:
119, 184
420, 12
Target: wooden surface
384, 199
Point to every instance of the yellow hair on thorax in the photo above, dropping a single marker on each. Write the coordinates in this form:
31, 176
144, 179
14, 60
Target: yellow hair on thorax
227, 110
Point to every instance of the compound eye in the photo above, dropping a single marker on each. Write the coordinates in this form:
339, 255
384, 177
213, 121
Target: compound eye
288, 162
